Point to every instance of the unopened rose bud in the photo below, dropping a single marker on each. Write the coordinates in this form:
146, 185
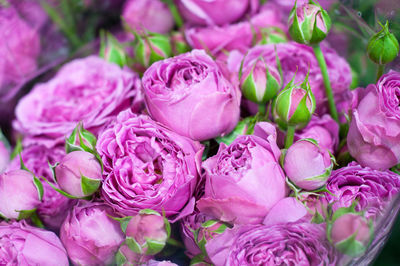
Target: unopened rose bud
79, 174
307, 164
383, 47
20, 194
309, 23
147, 232
152, 47
294, 105
113, 51
260, 83
351, 234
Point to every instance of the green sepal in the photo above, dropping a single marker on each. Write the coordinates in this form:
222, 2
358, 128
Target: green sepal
317, 218
120, 259
17, 149
295, 30
25, 214
70, 142
124, 221
351, 246
65, 194
154, 246
209, 223
149, 212
89, 186
116, 52
39, 187
133, 245
249, 88
22, 165
272, 88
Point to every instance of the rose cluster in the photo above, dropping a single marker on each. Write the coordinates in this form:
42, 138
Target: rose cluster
191, 137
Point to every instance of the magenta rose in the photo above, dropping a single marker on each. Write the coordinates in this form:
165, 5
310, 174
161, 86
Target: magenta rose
299, 59
208, 12
189, 94
287, 210
280, 244
244, 180
324, 130
19, 48
90, 235
90, 90
372, 189
54, 207
151, 15
22, 244
238, 36
147, 166
374, 134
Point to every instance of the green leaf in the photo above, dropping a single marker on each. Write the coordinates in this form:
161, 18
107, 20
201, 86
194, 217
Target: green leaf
351, 246
154, 246
133, 245
39, 187
25, 214
89, 186
124, 221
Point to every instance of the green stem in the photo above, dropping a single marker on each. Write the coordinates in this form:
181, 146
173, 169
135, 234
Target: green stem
328, 89
381, 69
262, 108
175, 13
289, 136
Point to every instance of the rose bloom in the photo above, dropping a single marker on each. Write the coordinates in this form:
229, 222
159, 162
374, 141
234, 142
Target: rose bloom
281, 244
147, 166
90, 235
372, 189
206, 12
152, 15
19, 48
299, 59
244, 180
236, 36
22, 244
54, 207
374, 133
190, 95
90, 90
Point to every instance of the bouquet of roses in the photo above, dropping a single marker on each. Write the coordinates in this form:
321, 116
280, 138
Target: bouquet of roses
201, 132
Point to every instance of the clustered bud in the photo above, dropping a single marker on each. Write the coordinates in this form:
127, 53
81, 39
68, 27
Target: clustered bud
383, 47
309, 23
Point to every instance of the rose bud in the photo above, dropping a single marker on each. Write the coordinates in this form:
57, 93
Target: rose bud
205, 12
148, 166
90, 235
54, 207
294, 105
178, 43
383, 46
148, 15
351, 234
372, 189
112, 50
79, 174
309, 23
287, 210
324, 130
259, 82
22, 244
243, 127
307, 164
20, 194
373, 138
192, 97
244, 176
280, 244
147, 232
151, 48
